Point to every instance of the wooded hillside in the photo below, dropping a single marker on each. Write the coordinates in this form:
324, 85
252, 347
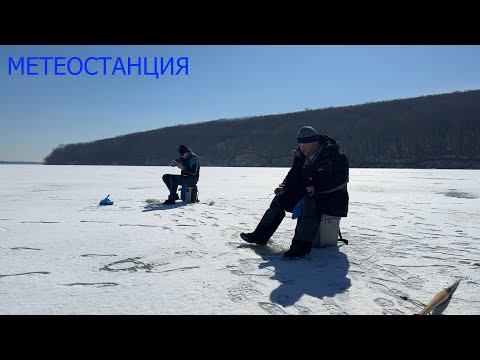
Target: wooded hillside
439, 131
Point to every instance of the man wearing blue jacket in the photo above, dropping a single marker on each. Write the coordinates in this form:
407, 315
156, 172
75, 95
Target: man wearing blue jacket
189, 165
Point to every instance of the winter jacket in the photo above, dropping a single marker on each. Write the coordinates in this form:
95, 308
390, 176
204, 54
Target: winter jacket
191, 165
329, 175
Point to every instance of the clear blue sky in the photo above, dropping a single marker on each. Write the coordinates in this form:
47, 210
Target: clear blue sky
37, 113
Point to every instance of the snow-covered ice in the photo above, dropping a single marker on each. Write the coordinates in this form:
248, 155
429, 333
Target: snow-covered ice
411, 233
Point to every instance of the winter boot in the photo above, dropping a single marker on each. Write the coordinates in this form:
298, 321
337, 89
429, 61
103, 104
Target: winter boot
298, 249
169, 201
268, 224
254, 238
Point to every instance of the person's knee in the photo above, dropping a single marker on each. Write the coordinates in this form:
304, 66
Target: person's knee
165, 177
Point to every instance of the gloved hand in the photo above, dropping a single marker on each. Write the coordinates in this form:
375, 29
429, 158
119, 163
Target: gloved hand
279, 190
310, 190
173, 163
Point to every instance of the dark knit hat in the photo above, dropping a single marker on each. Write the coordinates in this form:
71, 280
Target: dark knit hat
183, 149
307, 134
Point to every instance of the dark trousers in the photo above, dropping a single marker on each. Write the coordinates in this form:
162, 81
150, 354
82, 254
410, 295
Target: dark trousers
174, 181
307, 222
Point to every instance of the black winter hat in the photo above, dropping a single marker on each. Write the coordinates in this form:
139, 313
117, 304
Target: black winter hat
307, 134
183, 149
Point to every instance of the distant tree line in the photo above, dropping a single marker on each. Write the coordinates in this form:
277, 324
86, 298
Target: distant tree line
440, 131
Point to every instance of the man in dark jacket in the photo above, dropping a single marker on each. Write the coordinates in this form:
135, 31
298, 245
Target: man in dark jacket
188, 162
318, 178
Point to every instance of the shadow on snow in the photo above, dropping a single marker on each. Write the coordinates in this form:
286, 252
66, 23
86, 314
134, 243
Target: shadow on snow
159, 206
320, 274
